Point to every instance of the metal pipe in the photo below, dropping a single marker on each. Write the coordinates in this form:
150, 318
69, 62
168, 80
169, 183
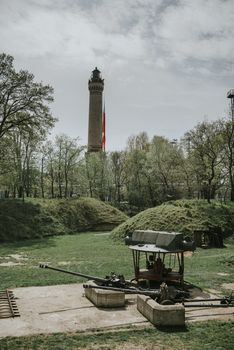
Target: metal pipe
98, 279
209, 305
209, 299
125, 290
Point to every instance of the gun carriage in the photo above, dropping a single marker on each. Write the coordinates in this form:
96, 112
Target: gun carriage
163, 256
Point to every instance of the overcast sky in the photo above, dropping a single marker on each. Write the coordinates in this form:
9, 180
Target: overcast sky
167, 64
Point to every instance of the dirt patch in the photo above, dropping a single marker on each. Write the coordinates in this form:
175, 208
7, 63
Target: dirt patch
16, 256
222, 274
64, 263
188, 254
229, 286
130, 346
19, 259
196, 292
127, 346
214, 292
10, 263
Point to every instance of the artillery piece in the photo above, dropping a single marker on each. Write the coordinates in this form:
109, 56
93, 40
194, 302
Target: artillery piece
162, 295
115, 282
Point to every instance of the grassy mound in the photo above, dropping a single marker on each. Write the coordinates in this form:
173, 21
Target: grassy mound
39, 218
180, 216
85, 214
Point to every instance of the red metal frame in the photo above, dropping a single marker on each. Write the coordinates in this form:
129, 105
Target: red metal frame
153, 274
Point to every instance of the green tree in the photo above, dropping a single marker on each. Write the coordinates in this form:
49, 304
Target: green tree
23, 102
60, 162
117, 164
20, 153
165, 159
98, 174
25, 120
227, 126
205, 151
135, 170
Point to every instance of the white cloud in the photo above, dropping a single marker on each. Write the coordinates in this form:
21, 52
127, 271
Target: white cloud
162, 33
65, 33
166, 63
197, 30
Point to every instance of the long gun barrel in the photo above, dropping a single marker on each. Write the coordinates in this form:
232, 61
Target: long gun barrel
97, 279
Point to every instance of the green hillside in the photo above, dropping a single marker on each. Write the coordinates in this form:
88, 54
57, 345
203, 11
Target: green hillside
182, 216
39, 218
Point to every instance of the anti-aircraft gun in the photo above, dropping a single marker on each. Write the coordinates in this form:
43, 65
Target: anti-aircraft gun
162, 295
117, 282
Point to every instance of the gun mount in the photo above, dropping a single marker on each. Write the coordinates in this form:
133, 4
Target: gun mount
162, 295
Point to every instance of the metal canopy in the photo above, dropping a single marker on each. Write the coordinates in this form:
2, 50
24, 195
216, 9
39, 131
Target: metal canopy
151, 248
156, 241
164, 255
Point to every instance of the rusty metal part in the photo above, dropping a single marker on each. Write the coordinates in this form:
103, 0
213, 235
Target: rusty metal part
8, 307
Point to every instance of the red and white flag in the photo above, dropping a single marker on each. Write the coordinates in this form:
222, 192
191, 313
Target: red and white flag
104, 129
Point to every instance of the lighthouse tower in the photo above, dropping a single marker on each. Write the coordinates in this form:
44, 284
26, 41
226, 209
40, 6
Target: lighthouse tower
230, 95
96, 86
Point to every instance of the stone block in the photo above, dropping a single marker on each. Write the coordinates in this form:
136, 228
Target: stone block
161, 315
104, 298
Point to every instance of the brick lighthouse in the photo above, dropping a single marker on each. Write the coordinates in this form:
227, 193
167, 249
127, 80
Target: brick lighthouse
96, 86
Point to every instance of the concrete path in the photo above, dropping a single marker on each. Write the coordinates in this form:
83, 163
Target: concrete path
64, 308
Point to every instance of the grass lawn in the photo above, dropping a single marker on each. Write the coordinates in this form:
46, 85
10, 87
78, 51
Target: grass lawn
97, 254
91, 253
200, 335
209, 268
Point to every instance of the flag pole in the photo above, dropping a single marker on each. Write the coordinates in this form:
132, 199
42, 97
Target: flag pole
104, 128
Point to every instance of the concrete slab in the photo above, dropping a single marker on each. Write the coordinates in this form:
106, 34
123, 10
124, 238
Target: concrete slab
64, 308
161, 315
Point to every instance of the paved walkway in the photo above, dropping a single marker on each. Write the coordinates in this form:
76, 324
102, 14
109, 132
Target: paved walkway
64, 308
